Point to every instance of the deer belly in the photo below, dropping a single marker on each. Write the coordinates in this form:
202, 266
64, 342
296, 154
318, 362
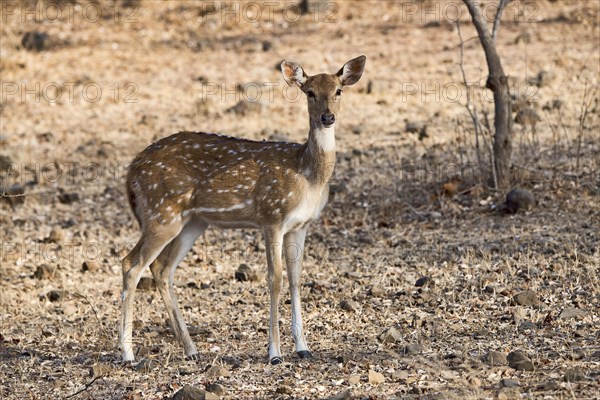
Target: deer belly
308, 209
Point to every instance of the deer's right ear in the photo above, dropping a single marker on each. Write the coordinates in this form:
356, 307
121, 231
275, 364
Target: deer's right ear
352, 71
293, 74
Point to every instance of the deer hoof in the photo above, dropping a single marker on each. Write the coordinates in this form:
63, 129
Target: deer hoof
304, 354
276, 360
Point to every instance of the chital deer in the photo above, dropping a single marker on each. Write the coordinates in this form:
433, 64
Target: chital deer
183, 183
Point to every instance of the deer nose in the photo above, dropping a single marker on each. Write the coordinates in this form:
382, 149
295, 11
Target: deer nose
327, 119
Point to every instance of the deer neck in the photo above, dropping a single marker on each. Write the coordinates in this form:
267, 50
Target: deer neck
318, 157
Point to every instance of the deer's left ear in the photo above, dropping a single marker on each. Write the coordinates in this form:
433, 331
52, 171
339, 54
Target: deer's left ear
352, 71
293, 73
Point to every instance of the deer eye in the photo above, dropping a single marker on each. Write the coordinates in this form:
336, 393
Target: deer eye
310, 94
338, 92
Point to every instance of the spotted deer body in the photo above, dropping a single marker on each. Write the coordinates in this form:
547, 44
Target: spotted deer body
182, 184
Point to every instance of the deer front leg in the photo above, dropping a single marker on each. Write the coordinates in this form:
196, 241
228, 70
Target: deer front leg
274, 239
294, 252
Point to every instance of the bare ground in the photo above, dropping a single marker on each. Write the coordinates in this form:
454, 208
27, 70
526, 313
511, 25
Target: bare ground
401, 208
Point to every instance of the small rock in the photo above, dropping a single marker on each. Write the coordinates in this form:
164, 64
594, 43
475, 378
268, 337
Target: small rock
435, 215
509, 383
68, 198
57, 235
245, 274
519, 361
571, 312
424, 281
548, 386
56, 295
365, 238
216, 389
70, 309
284, 389
481, 333
527, 298
508, 393
145, 365
473, 381
343, 395
35, 40
189, 392
413, 348
146, 283
501, 290
375, 378
48, 332
354, 379
519, 199
184, 370
217, 371
377, 291
527, 326
198, 330
349, 305
576, 354
391, 335
573, 375
342, 359
99, 370
44, 271
90, 266
495, 358
402, 376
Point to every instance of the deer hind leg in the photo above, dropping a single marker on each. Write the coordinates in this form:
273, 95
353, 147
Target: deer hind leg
143, 254
163, 270
274, 239
294, 251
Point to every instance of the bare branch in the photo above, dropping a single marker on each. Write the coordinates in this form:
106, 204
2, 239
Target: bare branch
589, 96
469, 106
86, 387
497, 81
498, 17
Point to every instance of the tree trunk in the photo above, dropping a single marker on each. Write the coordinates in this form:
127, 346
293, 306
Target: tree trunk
498, 83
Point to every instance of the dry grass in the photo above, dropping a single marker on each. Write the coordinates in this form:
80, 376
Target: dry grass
392, 218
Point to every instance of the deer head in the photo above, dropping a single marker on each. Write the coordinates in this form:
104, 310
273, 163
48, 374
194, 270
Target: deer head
324, 91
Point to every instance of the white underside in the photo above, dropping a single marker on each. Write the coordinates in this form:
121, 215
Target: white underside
308, 209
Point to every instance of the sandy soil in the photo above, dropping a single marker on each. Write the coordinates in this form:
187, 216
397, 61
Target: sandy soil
402, 208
